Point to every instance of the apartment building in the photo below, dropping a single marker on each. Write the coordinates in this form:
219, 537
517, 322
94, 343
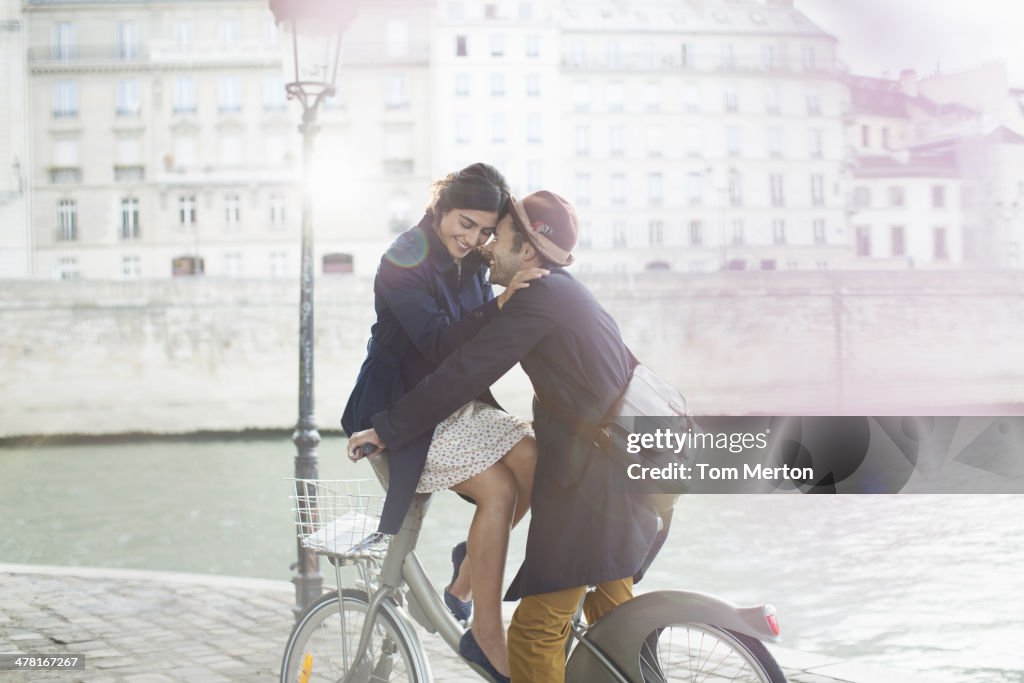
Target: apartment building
703, 136
15, 237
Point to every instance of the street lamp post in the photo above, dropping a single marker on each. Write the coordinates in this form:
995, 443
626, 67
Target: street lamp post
316, 28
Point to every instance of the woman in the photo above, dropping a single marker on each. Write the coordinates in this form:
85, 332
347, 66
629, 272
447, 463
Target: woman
431, 295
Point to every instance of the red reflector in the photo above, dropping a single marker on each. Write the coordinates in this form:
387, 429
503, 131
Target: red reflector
773, 623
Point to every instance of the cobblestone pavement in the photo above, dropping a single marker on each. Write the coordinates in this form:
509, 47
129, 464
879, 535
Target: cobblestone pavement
153, 627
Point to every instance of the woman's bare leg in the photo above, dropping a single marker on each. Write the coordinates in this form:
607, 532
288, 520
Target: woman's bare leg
495, 493
521, 459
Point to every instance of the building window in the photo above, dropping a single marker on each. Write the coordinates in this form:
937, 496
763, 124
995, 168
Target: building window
67, 220
897, 244
732, 141
655, 141
233, 264
184, 95
397, 91
616, 96
65, 99
819, 231
582, 141
813, 103
655, 189
865, 136
655, 233
183, 35
127, 40
532, 85
731, 99
231, 150
695, 188
583, 189
817, 189
816, 143
229, 94
461, 85
616, 141
460, 46
863, 235
618, 189
131, 267
278, 264
67, 268
274, 96
63, 41
696, 233
778, 231
775, 142
186, 210
614, 54
232, 210
497, 85
581, 96
772, 97
619, 234
462, 126
533, 46
534, 175
652, 97
939, 251
497, 45
229, 33
397, 39
277, 208
727, 56
735, 188
861, 197
738, 236
938, 196
693, 140
809, 56
886, 143
768, 57
129, 100
129, 218
777, 190
897, 197
691, 98
533, 129
685, 57
498, 127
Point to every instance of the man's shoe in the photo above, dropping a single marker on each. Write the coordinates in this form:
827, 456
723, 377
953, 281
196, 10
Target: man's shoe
470, 650
459, 609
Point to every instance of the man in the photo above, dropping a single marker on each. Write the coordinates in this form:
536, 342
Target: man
583, 530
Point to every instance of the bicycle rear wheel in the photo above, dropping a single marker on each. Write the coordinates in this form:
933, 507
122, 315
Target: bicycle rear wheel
317, 650
689, 653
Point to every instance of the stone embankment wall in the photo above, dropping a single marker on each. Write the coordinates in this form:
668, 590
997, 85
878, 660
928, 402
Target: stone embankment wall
185, 355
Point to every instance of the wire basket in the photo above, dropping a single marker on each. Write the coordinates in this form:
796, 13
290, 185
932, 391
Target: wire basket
339, 516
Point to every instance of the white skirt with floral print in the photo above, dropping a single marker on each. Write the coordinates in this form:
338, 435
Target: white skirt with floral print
467, 442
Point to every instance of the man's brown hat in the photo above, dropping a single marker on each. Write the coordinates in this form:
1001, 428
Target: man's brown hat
550, 223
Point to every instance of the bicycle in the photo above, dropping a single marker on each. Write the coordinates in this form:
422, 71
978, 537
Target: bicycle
365, 634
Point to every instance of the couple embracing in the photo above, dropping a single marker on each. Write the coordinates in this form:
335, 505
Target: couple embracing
441, 339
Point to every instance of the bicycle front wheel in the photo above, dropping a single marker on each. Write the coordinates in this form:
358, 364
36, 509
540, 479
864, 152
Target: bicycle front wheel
323, 643
687, 653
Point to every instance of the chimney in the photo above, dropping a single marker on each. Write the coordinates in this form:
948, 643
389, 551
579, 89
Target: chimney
908, 82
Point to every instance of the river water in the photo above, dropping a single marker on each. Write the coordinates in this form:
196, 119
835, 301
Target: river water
927, 583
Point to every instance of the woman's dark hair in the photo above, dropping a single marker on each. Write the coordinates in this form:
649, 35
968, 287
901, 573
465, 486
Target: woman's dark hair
479, 187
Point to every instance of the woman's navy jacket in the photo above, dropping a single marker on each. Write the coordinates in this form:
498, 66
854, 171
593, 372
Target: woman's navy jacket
426, 308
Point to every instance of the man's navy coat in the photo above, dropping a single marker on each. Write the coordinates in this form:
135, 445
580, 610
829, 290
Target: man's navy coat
426, 308
583, 528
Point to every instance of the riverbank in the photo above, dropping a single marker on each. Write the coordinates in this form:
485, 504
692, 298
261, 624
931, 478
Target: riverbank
186, 355
160, 627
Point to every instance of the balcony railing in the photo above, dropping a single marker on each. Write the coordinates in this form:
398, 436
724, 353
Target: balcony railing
110, 52
123, 174
639, 62
65, 174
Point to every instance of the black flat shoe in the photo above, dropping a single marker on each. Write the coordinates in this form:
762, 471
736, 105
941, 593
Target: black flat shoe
459, 609
470, 650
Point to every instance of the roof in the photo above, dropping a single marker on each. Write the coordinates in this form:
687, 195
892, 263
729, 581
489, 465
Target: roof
886, 97
673, 16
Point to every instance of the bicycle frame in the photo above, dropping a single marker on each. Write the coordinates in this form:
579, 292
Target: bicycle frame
602, 643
